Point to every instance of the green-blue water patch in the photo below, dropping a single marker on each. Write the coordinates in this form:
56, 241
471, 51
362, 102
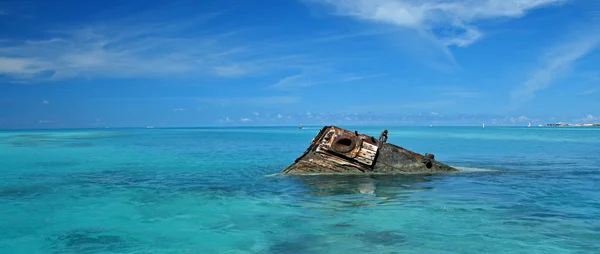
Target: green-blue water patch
216, 190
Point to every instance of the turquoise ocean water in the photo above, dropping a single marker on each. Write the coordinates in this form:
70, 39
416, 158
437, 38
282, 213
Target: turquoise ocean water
215, 190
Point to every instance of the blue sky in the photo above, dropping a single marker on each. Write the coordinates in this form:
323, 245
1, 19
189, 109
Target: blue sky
285, 62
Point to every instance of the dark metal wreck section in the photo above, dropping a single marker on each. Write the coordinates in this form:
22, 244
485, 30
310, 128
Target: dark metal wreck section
336, 150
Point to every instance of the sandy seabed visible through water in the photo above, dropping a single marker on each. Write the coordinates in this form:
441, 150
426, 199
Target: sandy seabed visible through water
218, 190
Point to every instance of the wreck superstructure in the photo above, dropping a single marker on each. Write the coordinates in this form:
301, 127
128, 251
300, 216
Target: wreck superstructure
339, 151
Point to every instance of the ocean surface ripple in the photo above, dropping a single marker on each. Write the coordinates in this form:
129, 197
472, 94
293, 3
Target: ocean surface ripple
217, 190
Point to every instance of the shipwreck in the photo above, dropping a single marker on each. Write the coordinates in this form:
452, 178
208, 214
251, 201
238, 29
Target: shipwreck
339, 151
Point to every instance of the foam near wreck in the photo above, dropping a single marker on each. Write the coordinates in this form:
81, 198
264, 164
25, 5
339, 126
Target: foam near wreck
473, 169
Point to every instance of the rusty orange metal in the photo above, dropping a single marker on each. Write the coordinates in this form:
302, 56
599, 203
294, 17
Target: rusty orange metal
337, 150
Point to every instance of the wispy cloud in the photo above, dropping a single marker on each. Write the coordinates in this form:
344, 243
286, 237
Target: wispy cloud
225, 120
588, 92
319, 78
231, 70
255, 101
587, 119
400, 106
178, 109
337, 37
463, 94
457, 18
454, 91
428, 105
333, 37
358, 77
443, 22
556, 62
293, 81
127, 47
142, 46
424, 118
45, 102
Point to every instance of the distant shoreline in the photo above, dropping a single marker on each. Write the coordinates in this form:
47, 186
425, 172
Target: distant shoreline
570, 125
310, 127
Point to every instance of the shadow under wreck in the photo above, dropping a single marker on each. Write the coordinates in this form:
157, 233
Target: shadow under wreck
338, 151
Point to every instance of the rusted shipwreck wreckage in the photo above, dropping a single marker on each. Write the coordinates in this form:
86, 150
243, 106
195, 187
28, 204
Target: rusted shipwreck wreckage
336, 150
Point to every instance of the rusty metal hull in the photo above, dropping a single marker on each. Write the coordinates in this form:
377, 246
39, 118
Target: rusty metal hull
338, 151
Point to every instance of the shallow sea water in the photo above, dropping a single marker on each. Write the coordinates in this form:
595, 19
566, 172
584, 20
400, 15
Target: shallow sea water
216, 190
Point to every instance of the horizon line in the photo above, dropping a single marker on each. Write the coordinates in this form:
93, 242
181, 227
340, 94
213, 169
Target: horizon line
149, 127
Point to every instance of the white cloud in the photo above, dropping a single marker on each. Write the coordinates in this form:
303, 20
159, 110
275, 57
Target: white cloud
45, 102
20, 66
256, 114
245, 120
557, 61
429, 27
457, 18
226, 120
279, 116
178, 109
